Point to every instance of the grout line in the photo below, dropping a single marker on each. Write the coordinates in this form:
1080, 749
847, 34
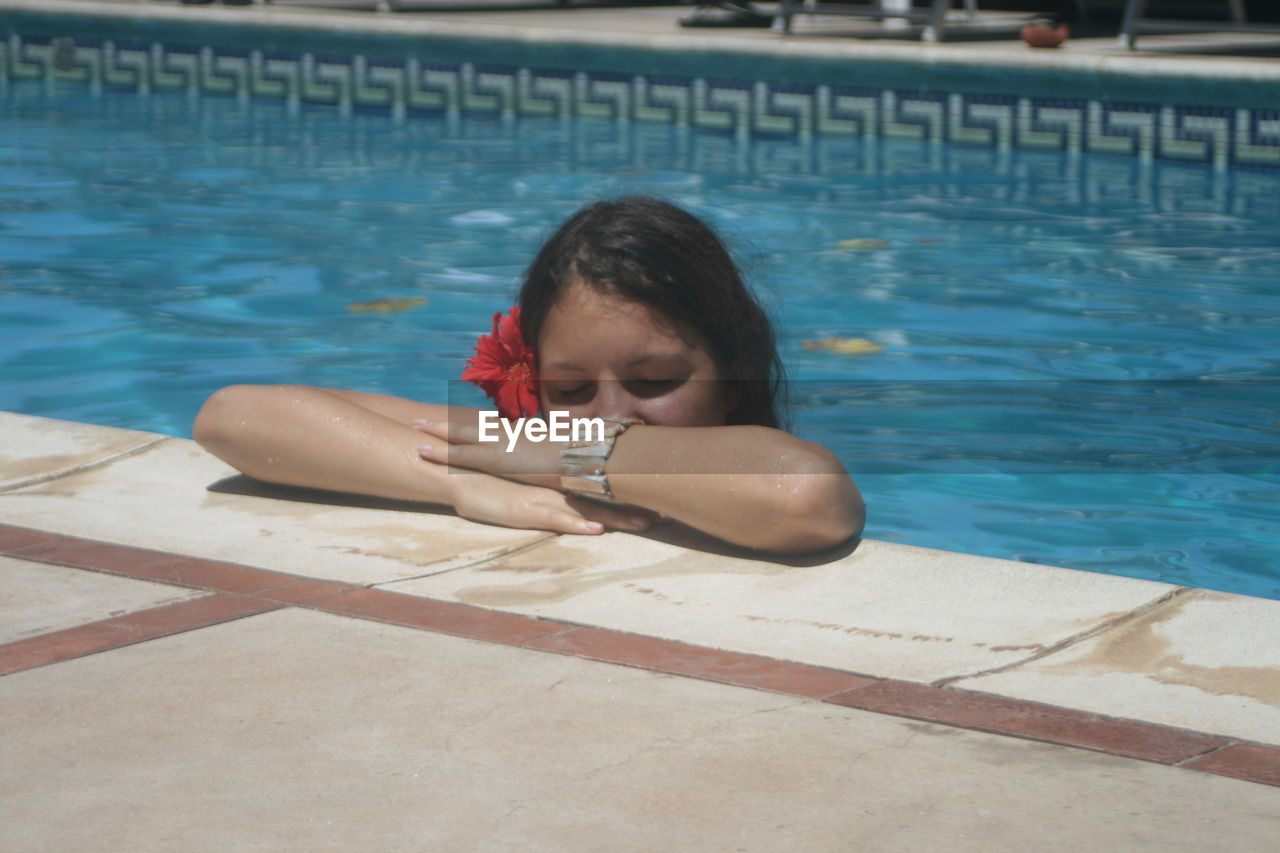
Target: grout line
569, 628
872, 681
41, 538
37, 479
1087, 634
1212, 751
501, 627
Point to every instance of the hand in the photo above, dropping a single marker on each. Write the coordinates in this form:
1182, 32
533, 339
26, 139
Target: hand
458, 445
518, 495
480, 497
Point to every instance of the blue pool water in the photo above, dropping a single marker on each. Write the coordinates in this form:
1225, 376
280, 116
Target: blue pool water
1079, 361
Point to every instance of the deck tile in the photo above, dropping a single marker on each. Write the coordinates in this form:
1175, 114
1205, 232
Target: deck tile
1202, 660
37, 449
892, 610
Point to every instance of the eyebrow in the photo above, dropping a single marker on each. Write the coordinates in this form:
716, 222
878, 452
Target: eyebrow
664, 356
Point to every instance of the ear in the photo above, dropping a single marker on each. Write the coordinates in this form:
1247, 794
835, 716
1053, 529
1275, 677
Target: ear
732, 399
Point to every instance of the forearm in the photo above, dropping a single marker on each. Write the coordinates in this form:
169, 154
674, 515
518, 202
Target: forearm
321, 439
753, 486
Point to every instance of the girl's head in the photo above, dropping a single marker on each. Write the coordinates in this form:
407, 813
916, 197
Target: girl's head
636, 309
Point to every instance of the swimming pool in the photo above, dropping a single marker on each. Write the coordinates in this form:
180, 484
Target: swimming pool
1078, 363
1076, 350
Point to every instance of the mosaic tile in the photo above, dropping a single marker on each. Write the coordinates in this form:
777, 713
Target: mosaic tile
744, 109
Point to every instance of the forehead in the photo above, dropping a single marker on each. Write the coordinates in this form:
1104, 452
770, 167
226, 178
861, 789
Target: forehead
589, 317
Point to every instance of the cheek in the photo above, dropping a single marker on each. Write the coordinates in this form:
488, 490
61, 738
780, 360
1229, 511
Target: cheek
693, 407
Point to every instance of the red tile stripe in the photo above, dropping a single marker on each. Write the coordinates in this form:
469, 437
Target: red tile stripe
20, 537
700, 662
1252, 762
446, 617
1019, 718
244, 591
128, 629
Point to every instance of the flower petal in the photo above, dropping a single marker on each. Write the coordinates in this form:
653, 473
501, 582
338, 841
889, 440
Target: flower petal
505, 367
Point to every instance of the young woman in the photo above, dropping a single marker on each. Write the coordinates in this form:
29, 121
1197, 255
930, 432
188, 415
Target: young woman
634, 313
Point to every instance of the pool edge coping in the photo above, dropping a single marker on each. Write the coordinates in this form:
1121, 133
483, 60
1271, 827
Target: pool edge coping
237, 592
785, 49
242, 590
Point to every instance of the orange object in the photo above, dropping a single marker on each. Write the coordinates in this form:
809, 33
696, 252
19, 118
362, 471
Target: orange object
844, 346
1040, 34
389, 305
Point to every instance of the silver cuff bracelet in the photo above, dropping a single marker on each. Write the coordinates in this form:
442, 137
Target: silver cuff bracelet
582, 462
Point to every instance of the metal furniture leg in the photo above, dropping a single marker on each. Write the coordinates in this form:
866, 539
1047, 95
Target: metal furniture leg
782, 21
1132, 11
935, 30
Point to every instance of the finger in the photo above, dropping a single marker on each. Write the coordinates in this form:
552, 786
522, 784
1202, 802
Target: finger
437, 429
621, 518
479, 457
446, 454
568, 521
456, 429
450, 430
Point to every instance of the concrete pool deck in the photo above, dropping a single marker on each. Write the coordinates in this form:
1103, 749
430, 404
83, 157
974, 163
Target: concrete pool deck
195, 660
1204, 53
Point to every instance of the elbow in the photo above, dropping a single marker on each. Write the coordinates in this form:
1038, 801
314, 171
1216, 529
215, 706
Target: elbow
822, 507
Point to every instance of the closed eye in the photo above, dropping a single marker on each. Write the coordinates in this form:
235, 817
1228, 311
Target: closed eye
652, 387
571, 394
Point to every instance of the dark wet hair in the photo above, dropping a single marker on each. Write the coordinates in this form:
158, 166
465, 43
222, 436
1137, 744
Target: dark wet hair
652, 252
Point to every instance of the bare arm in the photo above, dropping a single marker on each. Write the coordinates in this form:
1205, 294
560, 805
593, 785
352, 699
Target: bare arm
350, 441
749, 485
322, 439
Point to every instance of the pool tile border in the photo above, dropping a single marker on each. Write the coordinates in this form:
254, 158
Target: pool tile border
241, 591
405, 85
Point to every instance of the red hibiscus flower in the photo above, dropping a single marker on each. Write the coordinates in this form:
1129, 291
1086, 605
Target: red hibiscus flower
505, 367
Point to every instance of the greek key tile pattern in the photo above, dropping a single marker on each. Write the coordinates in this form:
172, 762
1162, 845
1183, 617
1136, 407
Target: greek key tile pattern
1219, 136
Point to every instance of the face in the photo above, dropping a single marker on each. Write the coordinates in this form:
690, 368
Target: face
600, 355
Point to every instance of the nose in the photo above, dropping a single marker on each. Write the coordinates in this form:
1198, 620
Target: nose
613, 400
